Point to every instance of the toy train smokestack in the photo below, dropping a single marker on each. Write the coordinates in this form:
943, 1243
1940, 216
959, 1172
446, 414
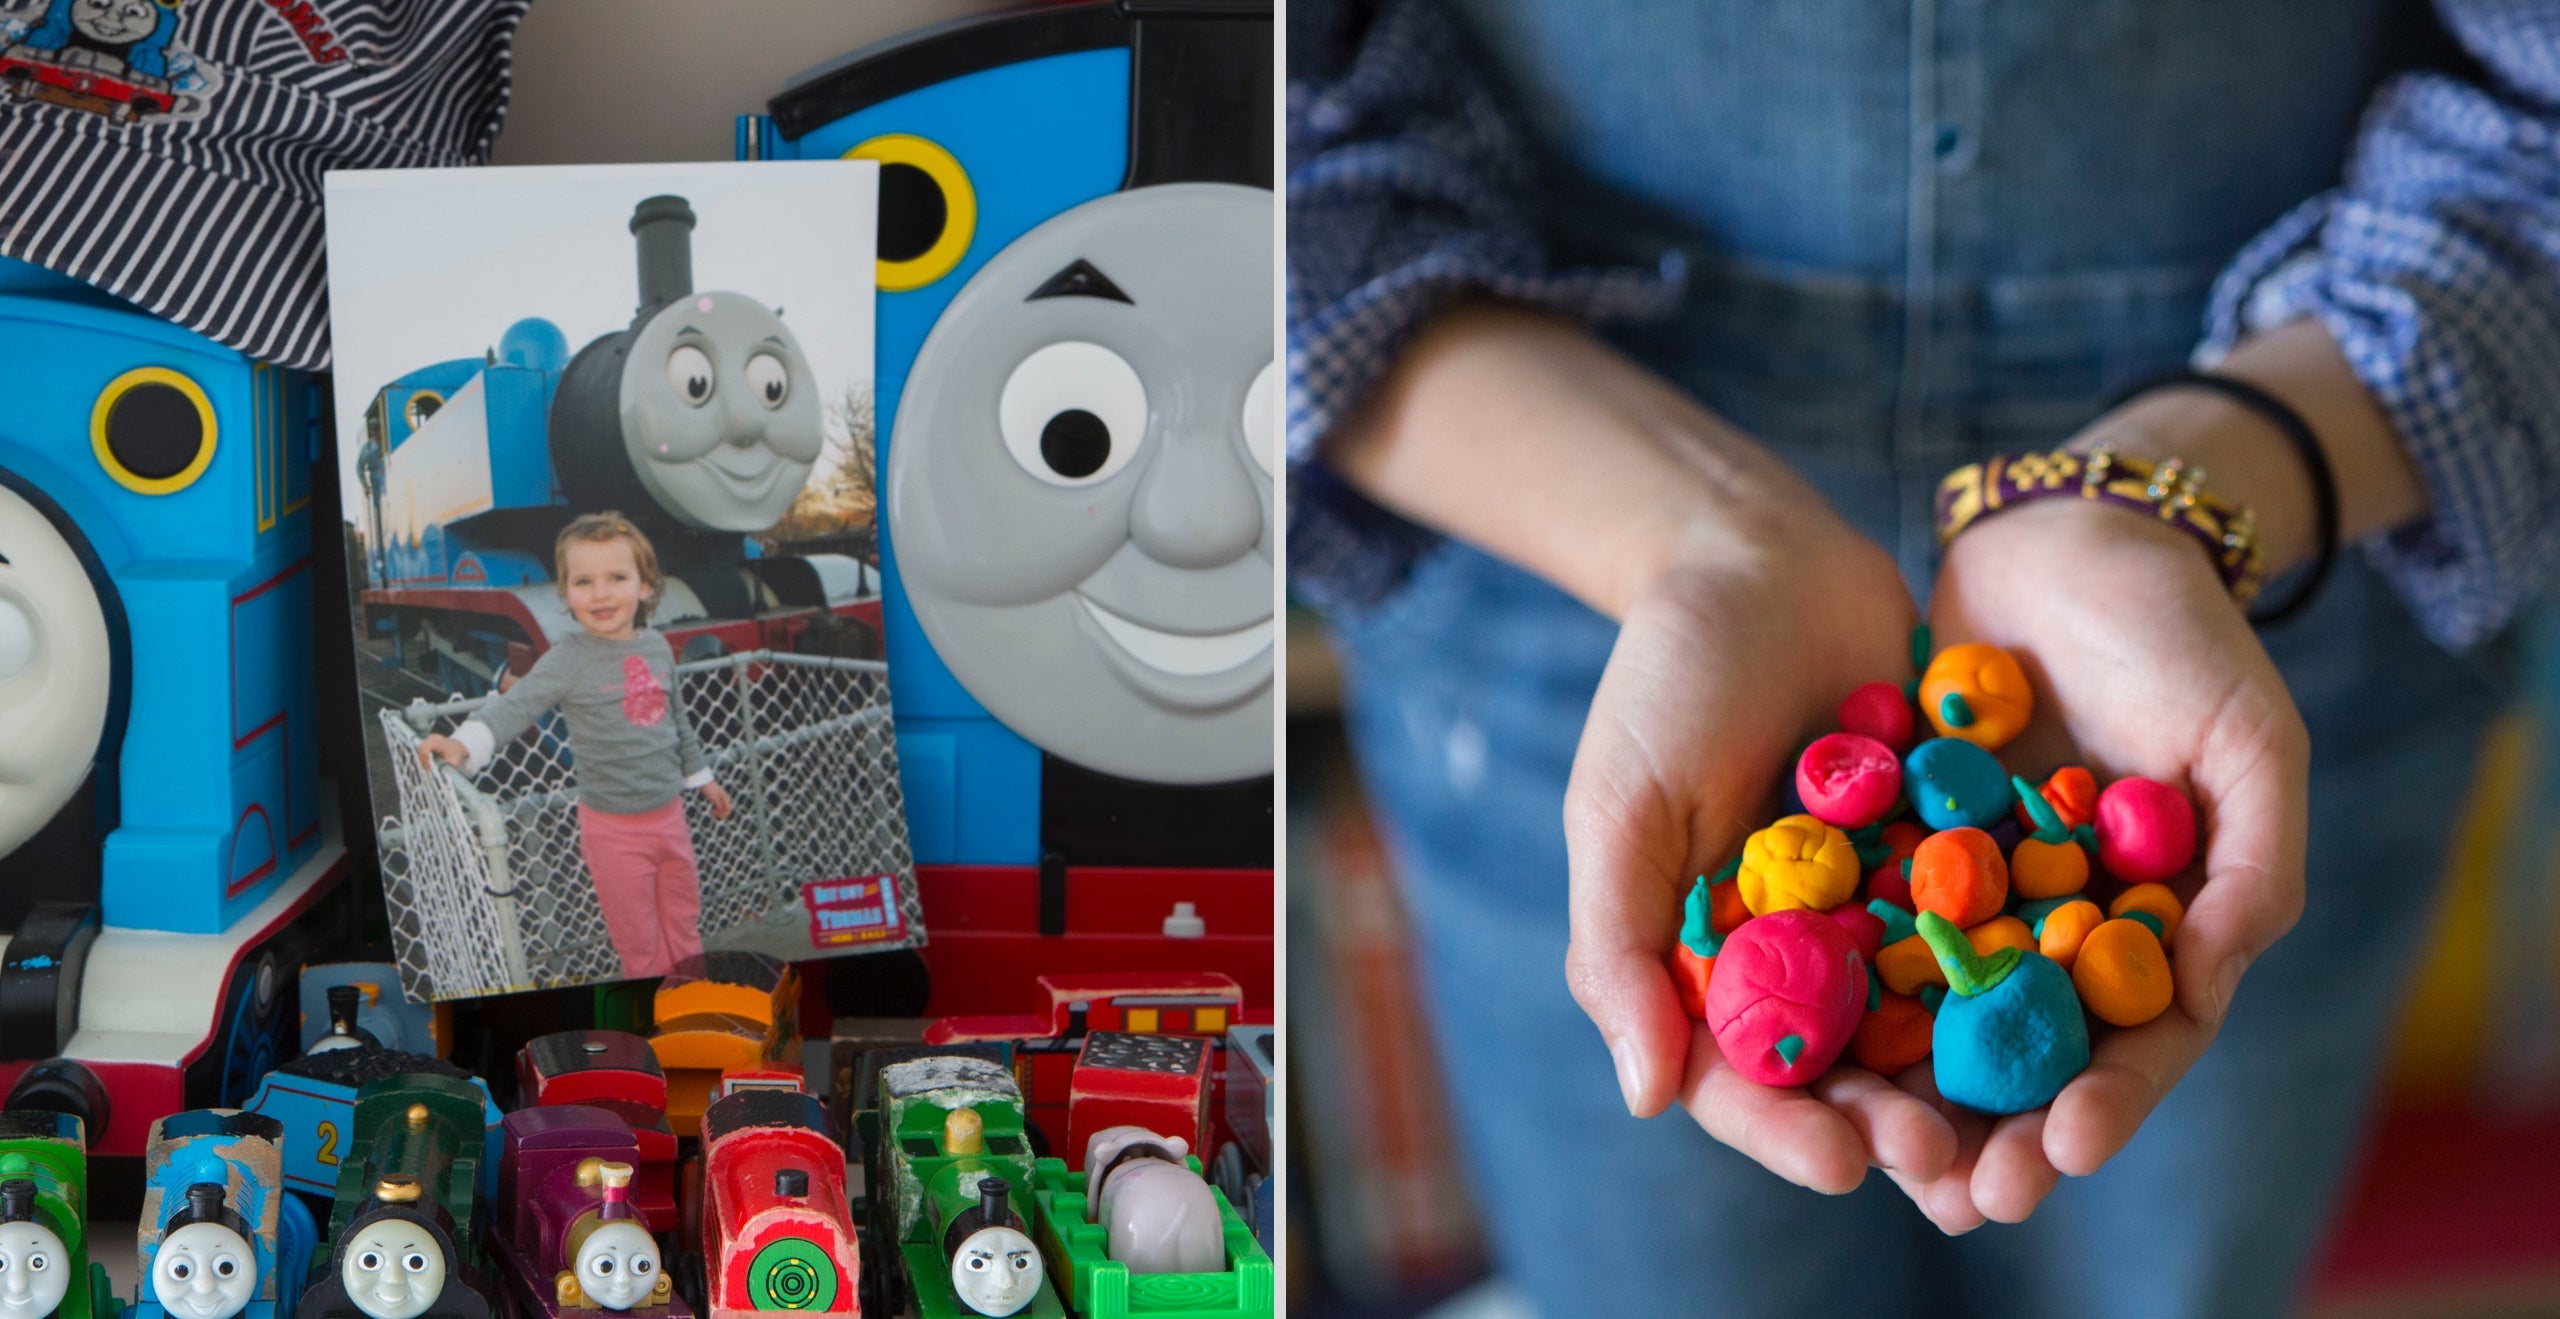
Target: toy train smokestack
664, 227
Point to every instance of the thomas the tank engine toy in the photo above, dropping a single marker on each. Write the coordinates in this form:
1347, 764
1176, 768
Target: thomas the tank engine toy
1077, 404
218, 1236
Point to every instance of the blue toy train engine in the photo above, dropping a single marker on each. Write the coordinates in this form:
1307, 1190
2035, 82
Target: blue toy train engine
700, 421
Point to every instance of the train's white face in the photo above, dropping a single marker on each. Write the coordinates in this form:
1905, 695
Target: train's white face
35, 1271
1080, 487
618, 1265
204, 1271
720, 412
56, 671
996, 1271
393, 1269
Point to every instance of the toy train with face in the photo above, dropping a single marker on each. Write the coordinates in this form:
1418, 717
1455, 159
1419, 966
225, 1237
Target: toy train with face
219, 1237
614, 1071
700, 421
948, 1160
568, 1236
777, 1230
157, 709
405, 1225
1077, 417
45, 1271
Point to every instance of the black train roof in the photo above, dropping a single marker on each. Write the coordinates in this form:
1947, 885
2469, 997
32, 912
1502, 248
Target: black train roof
365, 1063
764, 1106
1175, 1054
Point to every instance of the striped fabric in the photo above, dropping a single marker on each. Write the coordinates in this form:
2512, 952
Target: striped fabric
210, 215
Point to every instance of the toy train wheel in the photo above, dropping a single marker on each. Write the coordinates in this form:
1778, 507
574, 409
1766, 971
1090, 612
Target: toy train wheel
691, 1285
1227, 1173
874, 1288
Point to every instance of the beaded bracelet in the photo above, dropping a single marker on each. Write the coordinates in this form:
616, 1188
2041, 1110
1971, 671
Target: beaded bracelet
2172, 491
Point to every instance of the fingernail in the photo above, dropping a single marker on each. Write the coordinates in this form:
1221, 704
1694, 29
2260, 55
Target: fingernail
1630, 1073
2225, 981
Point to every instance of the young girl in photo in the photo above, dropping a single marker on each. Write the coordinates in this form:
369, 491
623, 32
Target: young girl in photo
613, 681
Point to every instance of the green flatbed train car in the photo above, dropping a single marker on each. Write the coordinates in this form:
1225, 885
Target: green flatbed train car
1096, 1286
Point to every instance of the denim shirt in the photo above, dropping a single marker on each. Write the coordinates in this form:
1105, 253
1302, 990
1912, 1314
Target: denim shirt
1887, 236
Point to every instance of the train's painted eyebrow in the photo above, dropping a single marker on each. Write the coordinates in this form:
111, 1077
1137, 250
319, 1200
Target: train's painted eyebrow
1078, 279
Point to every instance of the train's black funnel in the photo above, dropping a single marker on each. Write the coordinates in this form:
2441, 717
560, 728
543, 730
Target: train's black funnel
664, 226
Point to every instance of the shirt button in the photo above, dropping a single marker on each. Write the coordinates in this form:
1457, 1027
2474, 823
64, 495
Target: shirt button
1950, 137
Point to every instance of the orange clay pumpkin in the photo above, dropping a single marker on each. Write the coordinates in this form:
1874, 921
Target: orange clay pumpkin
1893, 1036
2065, 928
2156, 899
2122, 974
1729, 911
1689, 974
2072, 792
1907, 964
2000, 932
1978, 693
1959, 874
2038, 869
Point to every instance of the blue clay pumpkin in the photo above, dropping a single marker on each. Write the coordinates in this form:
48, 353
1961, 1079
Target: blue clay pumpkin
1952, 783
2014, 1040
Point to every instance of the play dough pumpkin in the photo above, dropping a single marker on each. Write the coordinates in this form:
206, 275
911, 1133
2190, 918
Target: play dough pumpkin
1977, 693
1787, 993
1797, 862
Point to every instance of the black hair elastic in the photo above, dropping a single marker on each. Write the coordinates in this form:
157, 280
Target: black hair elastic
2315, 463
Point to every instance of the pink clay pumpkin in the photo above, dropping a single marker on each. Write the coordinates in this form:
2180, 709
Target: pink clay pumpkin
2146, 831
1788, 990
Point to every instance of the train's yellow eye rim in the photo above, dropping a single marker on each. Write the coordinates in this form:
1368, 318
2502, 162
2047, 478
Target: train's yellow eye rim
105, 407
416, 419
959, 208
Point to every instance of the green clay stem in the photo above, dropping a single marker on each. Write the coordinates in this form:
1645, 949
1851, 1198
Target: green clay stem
1967, 973
1952, 708
1920, 648
2158, 931
1727, 871
2049, 827
1697, 928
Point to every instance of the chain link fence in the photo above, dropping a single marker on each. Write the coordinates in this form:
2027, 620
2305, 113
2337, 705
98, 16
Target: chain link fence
488, 892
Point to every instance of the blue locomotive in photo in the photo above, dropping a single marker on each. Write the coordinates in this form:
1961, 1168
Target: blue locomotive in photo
701, 422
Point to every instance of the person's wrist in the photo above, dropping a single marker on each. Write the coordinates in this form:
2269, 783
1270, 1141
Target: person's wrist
2247, 463
2084, 547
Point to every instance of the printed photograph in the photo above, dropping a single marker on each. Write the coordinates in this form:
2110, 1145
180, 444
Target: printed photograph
605, 451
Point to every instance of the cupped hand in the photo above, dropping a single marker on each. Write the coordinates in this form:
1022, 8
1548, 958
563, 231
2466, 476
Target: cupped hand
1740, 648
2142, 665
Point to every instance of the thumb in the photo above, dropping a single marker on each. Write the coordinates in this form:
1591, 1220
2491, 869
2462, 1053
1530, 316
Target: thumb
1632, 843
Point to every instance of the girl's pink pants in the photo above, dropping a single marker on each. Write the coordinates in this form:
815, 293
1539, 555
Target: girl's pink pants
645, 877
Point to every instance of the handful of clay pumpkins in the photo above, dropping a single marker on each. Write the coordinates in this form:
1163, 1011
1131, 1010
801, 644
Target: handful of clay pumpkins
1926, 902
